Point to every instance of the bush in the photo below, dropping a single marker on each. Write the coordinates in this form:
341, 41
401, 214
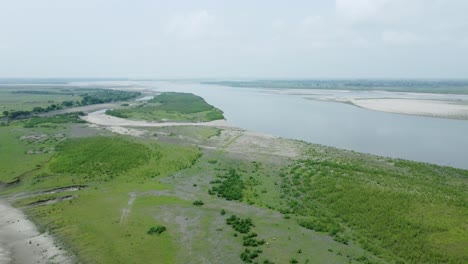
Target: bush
198, 203
248, 256
240, 225
232, 188
156, 230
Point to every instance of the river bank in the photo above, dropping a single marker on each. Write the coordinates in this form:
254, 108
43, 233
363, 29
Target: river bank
21, 242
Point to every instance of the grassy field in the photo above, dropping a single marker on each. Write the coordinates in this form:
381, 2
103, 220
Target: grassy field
11, 100
223, 196
21, 101
176, 107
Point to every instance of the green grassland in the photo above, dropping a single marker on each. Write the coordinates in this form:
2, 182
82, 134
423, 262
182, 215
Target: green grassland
324, 206
22, 101
177, 107
11, 100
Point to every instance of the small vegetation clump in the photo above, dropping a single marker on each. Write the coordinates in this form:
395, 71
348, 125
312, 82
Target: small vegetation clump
156, 230
231, 188
249, 255
251, 241
240, 225
198, 203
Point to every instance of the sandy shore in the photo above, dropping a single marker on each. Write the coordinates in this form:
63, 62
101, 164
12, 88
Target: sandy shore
100, 118
21, 242
434, 108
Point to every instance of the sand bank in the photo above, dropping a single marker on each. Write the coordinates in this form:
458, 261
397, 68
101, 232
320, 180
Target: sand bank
433, 108
21, 242
100, 118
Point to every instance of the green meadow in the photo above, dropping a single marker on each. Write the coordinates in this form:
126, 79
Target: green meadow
177, 107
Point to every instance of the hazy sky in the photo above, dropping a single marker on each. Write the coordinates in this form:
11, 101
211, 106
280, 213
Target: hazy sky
235, 39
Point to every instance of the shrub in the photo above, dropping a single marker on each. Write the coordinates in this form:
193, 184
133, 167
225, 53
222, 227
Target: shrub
240, 225
198, 203
156, 230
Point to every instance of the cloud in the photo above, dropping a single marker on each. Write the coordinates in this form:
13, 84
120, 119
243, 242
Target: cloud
399, 38
190, 25
358, 10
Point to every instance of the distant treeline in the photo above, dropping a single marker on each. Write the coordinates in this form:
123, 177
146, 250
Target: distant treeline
422, 86
88, 98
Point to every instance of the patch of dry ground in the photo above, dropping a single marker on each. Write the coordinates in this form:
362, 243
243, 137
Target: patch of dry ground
433, 108
21, 242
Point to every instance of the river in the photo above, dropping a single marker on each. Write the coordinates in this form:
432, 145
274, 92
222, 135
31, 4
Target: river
419, 138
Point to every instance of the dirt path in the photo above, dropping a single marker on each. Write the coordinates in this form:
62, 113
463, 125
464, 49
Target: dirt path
21, 242
126, 211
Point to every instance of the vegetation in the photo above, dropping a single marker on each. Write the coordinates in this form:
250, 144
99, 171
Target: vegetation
42, 102
251, 241
249, 255
420, 86
240, 225
401, 212
171, 107
107, 96
156, 230
338, 206
231, 187
56, 119
99, 156
198, 203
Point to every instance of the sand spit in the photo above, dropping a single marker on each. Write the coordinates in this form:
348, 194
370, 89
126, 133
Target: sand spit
100, 118
21, 242
451, 106
433, 108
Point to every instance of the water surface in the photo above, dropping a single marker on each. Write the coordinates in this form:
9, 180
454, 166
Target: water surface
433, 140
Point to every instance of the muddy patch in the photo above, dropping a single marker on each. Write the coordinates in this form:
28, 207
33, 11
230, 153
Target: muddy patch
53, 200
21, 242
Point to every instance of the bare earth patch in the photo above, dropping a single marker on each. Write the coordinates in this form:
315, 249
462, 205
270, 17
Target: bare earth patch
21, 242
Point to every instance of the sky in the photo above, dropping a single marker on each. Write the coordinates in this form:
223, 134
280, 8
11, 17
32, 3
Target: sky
234, 39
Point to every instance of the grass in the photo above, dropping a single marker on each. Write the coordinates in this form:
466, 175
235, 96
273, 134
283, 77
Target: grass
330, 206
100, 237
56, 119
23, 101
14, 160
11, 100
111, 167
176, 107
99, 156
400, 212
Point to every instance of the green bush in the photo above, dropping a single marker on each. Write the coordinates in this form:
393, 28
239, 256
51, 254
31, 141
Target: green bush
156, 230
240, 225
198, 203
231, 188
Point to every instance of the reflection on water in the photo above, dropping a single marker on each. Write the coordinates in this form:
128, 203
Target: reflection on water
433, 140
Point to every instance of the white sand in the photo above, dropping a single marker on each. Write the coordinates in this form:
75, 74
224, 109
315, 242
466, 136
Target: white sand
100, 118
445, 109
20, 241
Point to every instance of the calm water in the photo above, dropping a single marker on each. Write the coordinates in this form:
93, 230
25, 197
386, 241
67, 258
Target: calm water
433, 140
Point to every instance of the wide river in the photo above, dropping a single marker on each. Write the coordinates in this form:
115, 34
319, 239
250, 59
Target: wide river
433, 140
